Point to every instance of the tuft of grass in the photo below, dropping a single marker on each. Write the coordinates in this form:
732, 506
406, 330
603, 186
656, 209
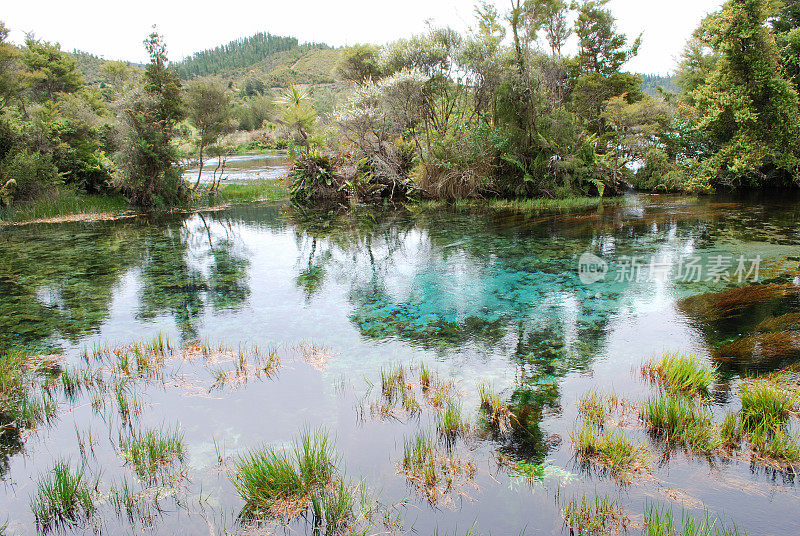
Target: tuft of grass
765, 407
393, 382
150, 452
611, 450
417, 452
602, 515
267, 475
660, 521
24, 404
494, 407
680, 420
449, 422
730, 430
64, 495
595, 407
424, 377
678, 373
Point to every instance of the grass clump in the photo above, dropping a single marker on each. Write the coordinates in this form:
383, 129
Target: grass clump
449, 422
150, 452
660, 521
765, 407
24, 403
678, 373
595, 408
494, 407
680, 420
265, 476
64, 495
610, 450
586, 517
730, 430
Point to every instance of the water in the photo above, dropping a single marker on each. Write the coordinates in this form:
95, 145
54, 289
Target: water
242, 169
475, 294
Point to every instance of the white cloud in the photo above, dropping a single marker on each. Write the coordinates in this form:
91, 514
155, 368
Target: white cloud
116, 30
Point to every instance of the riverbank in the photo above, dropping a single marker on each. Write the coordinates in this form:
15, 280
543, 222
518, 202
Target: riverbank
68, 205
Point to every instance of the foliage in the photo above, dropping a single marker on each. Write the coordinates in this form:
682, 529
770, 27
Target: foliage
208, 106
238, 53
747, 109
147, 171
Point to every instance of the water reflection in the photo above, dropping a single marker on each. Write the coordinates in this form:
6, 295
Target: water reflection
480, 294
242, 169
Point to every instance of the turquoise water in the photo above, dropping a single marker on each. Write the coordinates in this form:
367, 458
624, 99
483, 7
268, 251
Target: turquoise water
476, 294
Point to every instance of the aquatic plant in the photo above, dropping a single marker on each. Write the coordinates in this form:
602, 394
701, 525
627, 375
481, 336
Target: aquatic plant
24, 403
266, 475
678, 373
494, 407
602, 515
660, 521
595, 407
130, 504
151, 451
610, 450
424, 377
680, 420
417, 451
449, 422
64, 494
393, 382
765, 407
730, 430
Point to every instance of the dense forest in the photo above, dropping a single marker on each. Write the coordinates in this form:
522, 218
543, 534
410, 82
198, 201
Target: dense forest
239, 53
498, 111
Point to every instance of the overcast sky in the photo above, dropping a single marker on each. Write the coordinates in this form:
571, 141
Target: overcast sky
115, 30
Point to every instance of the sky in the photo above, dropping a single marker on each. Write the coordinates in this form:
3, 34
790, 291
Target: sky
115, 30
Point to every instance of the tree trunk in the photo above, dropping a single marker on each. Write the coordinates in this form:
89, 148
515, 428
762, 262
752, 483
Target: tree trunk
199, 173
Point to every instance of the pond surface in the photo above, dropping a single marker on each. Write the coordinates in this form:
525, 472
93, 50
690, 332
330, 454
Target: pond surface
241, 169
473, 294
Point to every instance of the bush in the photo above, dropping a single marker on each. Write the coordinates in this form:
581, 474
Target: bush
314, 177
33, 173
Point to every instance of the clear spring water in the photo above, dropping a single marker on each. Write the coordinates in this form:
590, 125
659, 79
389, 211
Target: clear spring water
476, 294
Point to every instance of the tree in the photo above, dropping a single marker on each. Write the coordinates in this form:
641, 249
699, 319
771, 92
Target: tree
360, 63
748, 110
600, 48
209, 111
49, 70
10, 83
298, 114
147, 171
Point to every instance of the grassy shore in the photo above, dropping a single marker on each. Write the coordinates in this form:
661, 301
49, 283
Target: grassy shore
64, 202
532, 206
68, 205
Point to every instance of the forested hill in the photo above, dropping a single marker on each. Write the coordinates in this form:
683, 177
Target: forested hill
241, 53
651, 83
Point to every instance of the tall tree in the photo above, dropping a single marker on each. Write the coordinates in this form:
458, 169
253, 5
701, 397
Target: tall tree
601, 49
49, 70
147, 171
